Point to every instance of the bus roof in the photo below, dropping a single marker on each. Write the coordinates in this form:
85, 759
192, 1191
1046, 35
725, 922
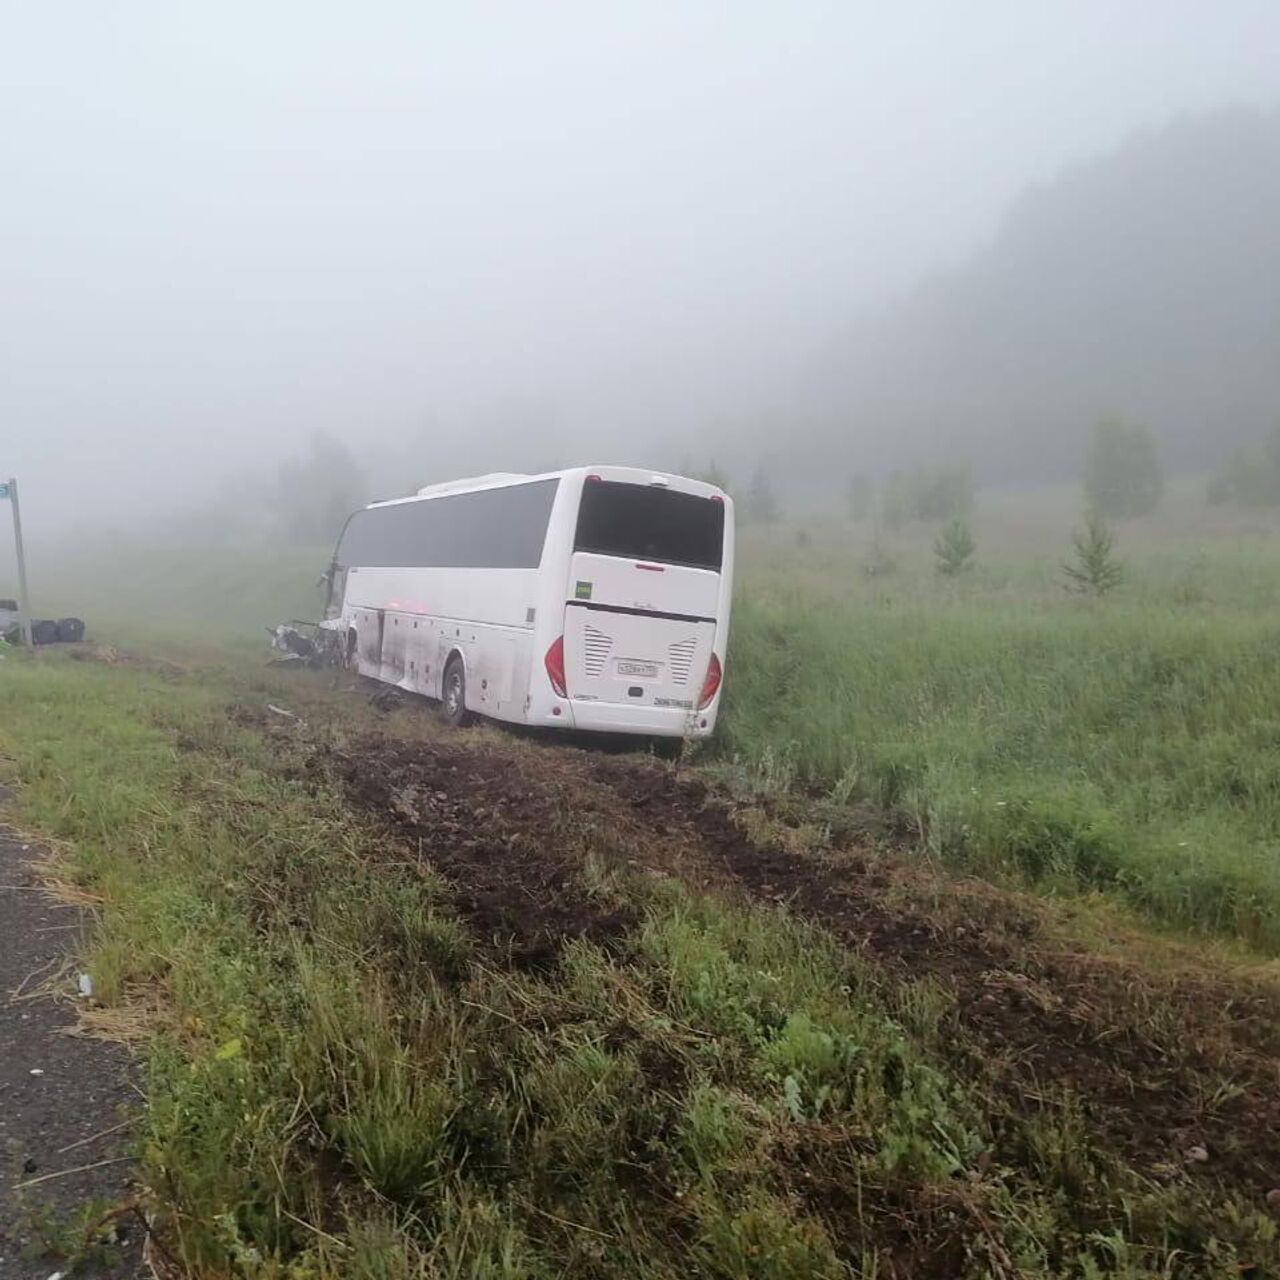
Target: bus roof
500, 479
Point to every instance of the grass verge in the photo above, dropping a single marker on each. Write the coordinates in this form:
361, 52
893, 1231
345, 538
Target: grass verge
348, 1076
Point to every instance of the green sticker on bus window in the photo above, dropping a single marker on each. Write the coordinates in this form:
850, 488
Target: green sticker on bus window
582, 591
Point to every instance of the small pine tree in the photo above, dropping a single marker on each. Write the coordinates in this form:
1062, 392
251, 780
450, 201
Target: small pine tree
879, 564
895, 501
710, 474
1096, 570
954, 547
760, 506
859, 497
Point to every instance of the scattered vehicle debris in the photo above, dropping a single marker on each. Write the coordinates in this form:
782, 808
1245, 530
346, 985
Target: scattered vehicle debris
309, 643
43, 630
70, 630
289, 639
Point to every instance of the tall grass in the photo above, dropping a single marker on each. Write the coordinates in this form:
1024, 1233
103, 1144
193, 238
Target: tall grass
1131, 744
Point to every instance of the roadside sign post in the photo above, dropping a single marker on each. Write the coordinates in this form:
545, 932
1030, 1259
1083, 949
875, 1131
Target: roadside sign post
9, 490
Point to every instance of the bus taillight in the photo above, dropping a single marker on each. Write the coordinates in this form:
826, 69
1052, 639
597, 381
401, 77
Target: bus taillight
711, 684
555, 666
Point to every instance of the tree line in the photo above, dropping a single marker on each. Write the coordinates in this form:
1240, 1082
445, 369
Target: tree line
313, 492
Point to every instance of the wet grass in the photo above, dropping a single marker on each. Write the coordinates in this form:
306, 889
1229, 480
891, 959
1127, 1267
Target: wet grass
345, 1080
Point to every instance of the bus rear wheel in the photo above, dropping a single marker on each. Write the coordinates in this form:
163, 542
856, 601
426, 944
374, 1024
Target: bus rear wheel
454, 693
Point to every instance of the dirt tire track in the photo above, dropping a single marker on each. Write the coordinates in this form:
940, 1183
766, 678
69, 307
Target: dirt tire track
501, 844
1042, 1015
1162, 1062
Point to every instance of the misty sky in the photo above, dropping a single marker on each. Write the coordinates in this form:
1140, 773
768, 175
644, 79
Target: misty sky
226, 225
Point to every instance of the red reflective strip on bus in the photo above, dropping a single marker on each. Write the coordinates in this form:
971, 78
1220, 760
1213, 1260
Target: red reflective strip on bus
712, 683
554, 662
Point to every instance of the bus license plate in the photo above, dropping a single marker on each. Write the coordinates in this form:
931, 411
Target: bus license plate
649, 669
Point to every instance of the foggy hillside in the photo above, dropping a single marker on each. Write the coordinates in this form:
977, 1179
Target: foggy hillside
1144, 283
456, 239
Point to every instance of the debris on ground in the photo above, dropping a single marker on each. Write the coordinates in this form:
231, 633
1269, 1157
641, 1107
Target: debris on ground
308, 644
43, 630
289, 639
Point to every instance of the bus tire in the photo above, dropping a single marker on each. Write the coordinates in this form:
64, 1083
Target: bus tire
453, 693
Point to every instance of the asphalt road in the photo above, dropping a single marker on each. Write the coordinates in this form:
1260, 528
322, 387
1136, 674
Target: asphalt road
58, 1093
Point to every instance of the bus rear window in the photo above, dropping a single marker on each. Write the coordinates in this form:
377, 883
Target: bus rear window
643, 522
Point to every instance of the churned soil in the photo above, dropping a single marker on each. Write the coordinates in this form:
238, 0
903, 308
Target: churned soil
1170, 1061
1179, 1064
506, 847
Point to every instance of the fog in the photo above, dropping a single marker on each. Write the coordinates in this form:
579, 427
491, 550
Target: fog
464, 237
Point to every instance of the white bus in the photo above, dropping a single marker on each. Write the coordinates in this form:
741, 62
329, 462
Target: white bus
595, 598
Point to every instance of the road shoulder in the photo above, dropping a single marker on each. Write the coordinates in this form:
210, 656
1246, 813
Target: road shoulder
62, 1097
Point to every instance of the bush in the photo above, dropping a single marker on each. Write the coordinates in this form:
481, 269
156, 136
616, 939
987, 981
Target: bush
879, 563
315, 493
1122, 470
1250, 476
930, 493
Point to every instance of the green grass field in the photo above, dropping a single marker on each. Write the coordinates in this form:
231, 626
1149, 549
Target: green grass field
1128, 744
1006, 726
346, 1077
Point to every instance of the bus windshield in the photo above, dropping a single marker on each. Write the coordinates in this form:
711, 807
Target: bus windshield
645, 522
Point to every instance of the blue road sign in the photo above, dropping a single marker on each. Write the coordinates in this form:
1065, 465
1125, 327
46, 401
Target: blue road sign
4, 490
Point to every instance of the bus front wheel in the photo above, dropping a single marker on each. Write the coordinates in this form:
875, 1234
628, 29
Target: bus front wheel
454, 693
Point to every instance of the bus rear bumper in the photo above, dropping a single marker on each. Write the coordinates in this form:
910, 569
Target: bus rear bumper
656, 722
